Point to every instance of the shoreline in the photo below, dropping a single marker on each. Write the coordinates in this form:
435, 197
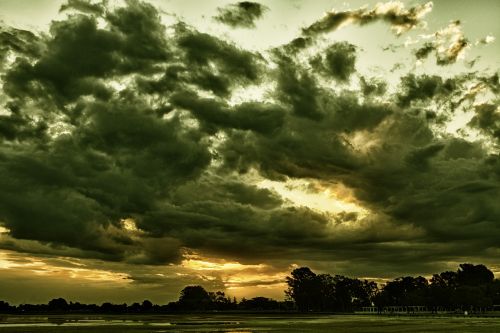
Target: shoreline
256, 314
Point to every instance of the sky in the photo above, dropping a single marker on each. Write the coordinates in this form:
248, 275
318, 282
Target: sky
150, 145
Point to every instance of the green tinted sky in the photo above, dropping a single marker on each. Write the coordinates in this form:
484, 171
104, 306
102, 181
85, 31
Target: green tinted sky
150, 145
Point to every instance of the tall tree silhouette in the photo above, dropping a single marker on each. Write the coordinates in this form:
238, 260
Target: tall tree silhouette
304, 287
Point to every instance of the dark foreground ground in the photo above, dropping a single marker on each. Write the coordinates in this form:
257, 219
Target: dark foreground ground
238, 323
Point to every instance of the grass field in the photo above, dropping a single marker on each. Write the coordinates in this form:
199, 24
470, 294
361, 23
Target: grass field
238, 323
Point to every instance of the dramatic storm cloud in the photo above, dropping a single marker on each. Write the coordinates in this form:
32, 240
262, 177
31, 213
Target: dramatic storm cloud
143, 150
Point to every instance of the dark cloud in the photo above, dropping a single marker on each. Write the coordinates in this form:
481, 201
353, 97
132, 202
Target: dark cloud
420, 157
211, 64
142, 35
339, 61
487, 119
373, 86
308, 147
222, 189
202, 49
299, 89
262, 118
18, 42
434, 189
78, 189
78, 54
241, 15
425, 88
85, 6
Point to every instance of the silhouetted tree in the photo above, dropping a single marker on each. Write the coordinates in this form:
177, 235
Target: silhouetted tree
259, 304
194, 298
58, 304
108, 307
471, 287
342, 293
220, 301
494, 291
446, 279
304, 287
362, 293
402, 291
146, 306
328, 298
324, 292
441, 290
5, 307
474, 275
470, 297
134, 308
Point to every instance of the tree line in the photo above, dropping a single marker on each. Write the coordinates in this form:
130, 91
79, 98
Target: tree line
470, 287
192, 299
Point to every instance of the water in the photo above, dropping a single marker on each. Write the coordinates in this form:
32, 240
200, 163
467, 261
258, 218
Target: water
246, 323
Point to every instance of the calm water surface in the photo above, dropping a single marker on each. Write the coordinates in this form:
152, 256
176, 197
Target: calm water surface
237, 323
